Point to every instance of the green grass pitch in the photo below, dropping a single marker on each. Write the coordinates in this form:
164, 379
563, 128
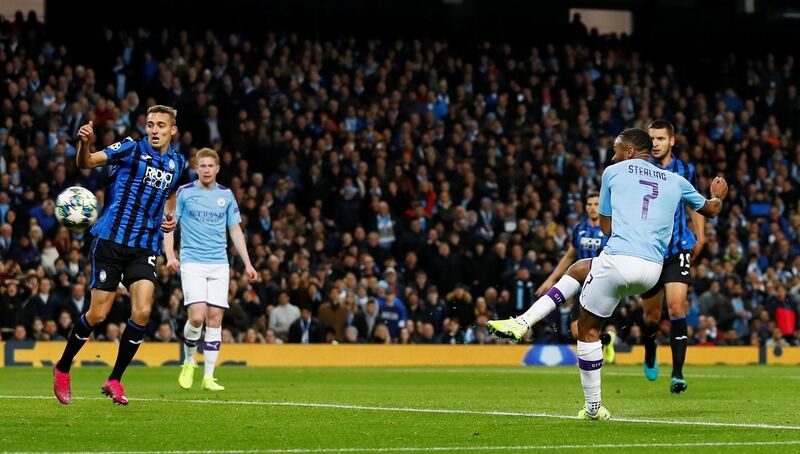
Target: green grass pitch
424, 409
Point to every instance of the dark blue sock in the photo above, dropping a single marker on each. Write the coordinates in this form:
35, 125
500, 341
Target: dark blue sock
678, 341
128, 345
79, 335
649, 340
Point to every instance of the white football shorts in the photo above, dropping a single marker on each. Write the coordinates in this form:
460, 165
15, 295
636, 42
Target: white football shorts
205, 283
613, 277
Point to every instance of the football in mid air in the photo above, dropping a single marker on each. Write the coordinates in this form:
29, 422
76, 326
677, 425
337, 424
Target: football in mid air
76, 208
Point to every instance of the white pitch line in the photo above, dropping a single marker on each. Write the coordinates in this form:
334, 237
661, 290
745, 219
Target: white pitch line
429, 410
569, 370
445, 448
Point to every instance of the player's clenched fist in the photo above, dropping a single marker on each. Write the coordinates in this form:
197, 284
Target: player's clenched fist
174, 265
86, 133
719, 188
251, 273
169, 223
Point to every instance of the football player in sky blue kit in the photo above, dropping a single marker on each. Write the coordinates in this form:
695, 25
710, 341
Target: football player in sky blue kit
205, 211
683, 247
637, 208
144, 175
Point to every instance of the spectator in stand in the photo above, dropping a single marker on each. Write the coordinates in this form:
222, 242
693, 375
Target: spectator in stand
20, 333
306, 329
283, 315
776, 340
165, 333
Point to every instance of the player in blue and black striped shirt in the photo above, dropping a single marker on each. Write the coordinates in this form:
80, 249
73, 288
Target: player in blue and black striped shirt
144, 176
587, 242
675, 278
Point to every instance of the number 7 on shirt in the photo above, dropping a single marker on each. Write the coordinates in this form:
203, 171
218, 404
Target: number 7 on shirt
648, 197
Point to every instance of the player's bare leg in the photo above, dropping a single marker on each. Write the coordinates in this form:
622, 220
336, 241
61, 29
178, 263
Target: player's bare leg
677, 306
98, 310
191, 337
568, 286
212, 344
652, 317
141, 293
573, 327
590, 363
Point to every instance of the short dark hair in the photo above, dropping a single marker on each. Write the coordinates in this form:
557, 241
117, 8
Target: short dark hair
591, 194
662, 124
639, 138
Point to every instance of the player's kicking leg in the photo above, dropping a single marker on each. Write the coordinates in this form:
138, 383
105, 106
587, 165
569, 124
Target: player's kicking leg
191, 337
141, 293
568, 286
98, 310
211, 347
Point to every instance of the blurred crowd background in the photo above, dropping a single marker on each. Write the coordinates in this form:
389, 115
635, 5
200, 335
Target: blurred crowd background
401, 189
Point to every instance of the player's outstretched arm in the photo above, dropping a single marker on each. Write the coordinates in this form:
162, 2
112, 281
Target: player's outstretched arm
237, 236
563, 264
86, 157
713, 206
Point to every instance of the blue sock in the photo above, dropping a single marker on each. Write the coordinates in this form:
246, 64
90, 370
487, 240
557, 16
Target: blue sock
128, 345
81, 332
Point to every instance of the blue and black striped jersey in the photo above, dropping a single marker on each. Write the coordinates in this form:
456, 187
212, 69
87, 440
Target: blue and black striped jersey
588, 240
683, 238
141, 181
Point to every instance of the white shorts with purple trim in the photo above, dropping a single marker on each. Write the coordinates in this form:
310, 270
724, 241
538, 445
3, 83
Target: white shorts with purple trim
613, 277
205, 283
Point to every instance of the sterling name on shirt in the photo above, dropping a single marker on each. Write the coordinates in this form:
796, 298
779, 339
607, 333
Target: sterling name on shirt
645, 172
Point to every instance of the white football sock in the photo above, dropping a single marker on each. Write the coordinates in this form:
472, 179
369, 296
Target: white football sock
211, 349
590, 362
191, 336
565, 288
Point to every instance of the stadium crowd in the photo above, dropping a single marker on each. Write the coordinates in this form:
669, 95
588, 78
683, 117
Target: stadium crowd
400, 191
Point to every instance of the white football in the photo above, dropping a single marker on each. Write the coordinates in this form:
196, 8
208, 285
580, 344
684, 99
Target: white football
76, 208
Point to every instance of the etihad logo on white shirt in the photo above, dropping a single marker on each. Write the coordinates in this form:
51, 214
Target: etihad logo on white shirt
157, 178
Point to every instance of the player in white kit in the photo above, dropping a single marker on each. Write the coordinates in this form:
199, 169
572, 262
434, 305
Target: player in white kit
637, 209
205, 212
